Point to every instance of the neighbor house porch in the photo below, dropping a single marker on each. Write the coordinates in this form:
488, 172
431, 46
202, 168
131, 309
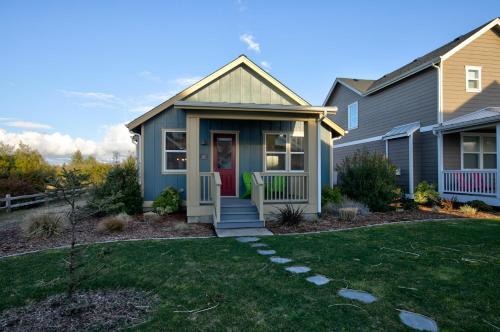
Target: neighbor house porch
469, 156
246, 161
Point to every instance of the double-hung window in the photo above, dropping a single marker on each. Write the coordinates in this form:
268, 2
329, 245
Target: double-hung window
352, 116
479, 151
472, 79
174, 150
284, 152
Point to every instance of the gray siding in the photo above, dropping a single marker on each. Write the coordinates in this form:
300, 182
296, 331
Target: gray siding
411, 100
426, 145
399, 156
451, 151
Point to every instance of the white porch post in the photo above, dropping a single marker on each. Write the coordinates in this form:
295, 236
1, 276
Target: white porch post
440, 162
498, 160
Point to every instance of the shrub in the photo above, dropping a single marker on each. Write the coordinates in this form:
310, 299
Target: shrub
480, 205
468, 210
151, 216
43, 225
408, 204
122, 185
331, 195
116, 223
348, 214
169, 201
449, 204
426, 194
289, 215
346, 203
368, 178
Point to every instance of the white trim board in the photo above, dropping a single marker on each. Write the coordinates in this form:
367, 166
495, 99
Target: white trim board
359, 141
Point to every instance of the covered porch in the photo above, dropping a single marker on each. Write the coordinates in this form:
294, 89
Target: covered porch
469, 156
246, 161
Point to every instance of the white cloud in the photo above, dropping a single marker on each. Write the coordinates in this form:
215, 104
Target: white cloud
183, 82
89, 95
241, 5
27, 125
266, 65
56, 145
250, 41
150, 76
94, 99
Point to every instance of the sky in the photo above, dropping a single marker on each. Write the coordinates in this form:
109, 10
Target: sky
72, 73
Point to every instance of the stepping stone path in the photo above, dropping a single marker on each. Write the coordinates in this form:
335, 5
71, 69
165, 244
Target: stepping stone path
417, 321
318, 280
266, 252
258, 245
280, 260
410, 319
298, 269
361, 296
247, 239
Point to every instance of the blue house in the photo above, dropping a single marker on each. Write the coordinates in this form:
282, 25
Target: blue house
237, 131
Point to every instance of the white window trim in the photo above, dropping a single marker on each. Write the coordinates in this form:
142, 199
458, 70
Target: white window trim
288, 153
349, 116
164, 151
467, 68
481, 153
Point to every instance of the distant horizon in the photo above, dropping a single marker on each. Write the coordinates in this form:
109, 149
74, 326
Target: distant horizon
75, 73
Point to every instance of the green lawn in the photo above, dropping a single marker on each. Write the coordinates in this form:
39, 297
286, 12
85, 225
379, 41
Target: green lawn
450, 273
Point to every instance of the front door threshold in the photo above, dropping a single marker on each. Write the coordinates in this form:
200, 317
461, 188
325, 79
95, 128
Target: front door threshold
236, 232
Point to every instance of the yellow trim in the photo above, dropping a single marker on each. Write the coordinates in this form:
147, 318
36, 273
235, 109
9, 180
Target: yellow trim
242, 59
332, 125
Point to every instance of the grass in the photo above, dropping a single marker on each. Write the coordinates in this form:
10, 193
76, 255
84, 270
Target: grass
448, 270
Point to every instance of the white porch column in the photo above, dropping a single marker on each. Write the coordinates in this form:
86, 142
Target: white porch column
193, 162
440, 162
498, 160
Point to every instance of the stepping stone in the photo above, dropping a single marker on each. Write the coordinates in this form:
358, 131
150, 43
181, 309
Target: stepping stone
417, 321
258, 245
361, 296
266, 252
280, 260
318, 280
298, 269
247, 239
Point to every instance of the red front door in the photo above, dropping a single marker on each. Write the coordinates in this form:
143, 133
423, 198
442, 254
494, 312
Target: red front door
224, 148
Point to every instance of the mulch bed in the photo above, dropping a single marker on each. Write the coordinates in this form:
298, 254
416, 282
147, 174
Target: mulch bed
329, 222
13, 240
102, 311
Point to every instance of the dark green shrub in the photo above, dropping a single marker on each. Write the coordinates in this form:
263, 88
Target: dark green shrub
289, 215
169, 201
331, 195
122, 186
408, 204
480, 205
368, 178
426, 194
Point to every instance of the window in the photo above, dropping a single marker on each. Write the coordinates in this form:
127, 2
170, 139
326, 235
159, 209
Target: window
284, 152
479, 151
352, 116
174, 150
472, 79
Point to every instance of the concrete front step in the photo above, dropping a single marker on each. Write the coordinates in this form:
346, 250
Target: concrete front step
235, 216
240, 224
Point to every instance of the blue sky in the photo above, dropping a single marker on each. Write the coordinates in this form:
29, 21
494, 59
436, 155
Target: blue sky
72, 72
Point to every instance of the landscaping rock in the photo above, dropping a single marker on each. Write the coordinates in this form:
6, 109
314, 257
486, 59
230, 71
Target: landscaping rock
258, 245
266, 252
357, 295
298, 269
417, 321
318, 280
247, 239
280, 260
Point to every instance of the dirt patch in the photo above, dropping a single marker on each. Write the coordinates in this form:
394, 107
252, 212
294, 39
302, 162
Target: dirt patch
329, 222
103, 310
13, 240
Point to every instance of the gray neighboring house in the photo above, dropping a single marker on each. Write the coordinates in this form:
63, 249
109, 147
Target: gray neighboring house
437, 118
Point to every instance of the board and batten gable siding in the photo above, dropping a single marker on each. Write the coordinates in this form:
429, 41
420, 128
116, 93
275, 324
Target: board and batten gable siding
413, 99
154, 180
399, 156
483, 52
241, 85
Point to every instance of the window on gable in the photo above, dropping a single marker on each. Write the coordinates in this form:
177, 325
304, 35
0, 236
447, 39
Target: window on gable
352, 116
174, 150
473, 79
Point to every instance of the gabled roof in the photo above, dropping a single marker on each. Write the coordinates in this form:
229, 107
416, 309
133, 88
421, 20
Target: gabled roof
422, 62
241, 60
402, 131
359, 86
483, 116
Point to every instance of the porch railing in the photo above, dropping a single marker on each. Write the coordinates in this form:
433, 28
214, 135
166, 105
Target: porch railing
258, 194
478, 182
283, 187
210, 184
